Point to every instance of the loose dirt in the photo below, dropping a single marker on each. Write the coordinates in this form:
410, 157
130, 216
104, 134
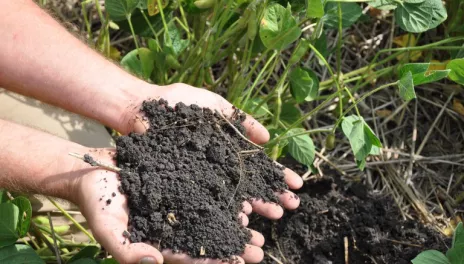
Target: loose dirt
186, 179
332, 211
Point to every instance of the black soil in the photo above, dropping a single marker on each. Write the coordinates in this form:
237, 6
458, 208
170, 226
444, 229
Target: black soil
186, 178
332, 211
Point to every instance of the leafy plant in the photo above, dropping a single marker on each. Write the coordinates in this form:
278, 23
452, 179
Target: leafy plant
454, 255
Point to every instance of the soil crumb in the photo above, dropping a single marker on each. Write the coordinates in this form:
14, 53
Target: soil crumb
332, 210
186, 179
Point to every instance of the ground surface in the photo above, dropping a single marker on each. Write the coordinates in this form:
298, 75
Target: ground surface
332, 211
187, 177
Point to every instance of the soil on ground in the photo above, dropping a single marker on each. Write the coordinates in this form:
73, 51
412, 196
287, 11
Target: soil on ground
338, 220
186, 179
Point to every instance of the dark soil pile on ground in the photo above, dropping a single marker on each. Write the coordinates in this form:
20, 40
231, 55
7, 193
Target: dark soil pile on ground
329, 214
186, 178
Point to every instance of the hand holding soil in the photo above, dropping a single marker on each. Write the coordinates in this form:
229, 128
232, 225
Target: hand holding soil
190, 180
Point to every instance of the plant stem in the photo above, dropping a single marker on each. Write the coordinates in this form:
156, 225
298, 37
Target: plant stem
79, 226
362, 99
151, 28
129, 20
353, 100
296, 123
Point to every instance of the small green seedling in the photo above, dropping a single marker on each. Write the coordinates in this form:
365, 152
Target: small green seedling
454, 255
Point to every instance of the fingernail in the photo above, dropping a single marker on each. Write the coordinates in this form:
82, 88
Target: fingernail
147, 260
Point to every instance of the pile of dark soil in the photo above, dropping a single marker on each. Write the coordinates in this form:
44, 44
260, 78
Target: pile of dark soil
333, 213
186, 179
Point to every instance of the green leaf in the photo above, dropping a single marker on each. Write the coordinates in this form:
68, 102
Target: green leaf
314, 8
362, 139
177, 45
406, 87
383, 4
84, 261
19, 254
457, 70
85, 253
3, 196
120, 9
109, 261
278, 28
251, 104
416, 18
25, 214
351, 12
456, 255
8, 222
289, 113
304, 84
430, 257
421, 74
458, 236
140, 62
299, 51
301, 147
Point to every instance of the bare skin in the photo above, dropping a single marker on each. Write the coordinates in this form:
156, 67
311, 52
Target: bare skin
39, 58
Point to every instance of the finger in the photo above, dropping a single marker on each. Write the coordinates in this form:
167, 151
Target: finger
181, 258
255, 131
269, 210
243, 219
293, 180
257, 239
289, 200
247, 209
123, 251
253, 254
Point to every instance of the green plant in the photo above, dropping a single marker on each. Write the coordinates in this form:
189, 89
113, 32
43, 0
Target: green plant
240, 47
454, 255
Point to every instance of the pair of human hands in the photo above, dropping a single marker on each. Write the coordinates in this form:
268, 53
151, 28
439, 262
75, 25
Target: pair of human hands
106, 209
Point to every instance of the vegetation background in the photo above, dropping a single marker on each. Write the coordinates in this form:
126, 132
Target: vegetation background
370, 90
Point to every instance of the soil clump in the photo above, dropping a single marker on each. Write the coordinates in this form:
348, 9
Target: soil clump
186, 178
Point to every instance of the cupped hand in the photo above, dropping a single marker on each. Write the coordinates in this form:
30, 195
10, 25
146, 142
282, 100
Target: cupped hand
107, 214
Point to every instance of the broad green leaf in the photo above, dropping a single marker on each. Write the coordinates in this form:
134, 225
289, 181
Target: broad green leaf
120, 9
321, 45
140, 62
360, 143
25, 214
84, 261
176, 45
89, 252
251, 104
8, 222
3, 196
362, 139
383, 4
109, 261
455, 255
299, 51
421, 73
458, 236
414, 1
304, 84
430, 257
301, 147
278, 28
416, 18
289, 114
314, 8
406, 87
19, 254
350, 14
457, 70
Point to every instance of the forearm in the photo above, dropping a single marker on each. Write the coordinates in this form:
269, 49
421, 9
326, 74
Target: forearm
36, 162
40, 59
